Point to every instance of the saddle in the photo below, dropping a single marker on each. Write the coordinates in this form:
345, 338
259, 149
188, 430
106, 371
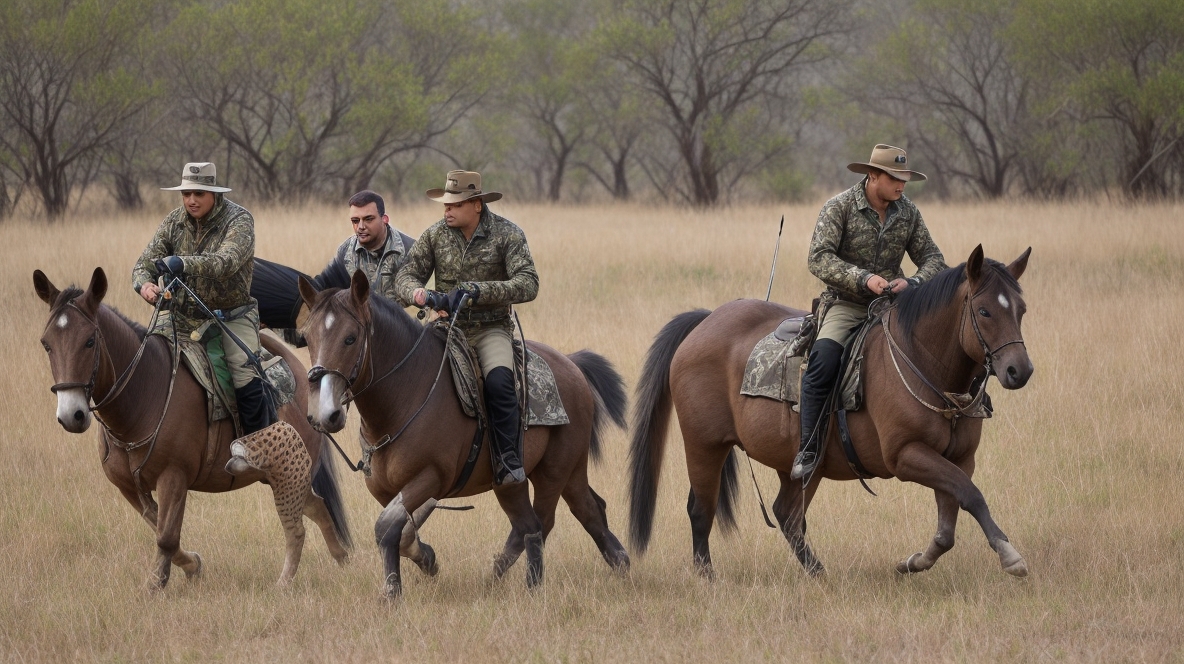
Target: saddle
543, 407
207, 362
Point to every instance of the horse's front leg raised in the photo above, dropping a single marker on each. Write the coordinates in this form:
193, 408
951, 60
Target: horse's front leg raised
919, 463
943, 540
396, 532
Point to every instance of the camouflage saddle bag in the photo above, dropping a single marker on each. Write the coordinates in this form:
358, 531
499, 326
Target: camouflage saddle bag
544, 407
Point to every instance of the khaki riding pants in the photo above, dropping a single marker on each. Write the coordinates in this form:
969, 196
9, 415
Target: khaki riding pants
494, 347
840, 322
247, 329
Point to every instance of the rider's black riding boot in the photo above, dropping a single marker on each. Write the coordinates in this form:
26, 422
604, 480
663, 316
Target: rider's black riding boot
822, 370
253, 410
501, 402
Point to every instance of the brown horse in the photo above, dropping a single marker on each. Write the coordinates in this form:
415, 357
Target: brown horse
155, 436
369, 350
953, 326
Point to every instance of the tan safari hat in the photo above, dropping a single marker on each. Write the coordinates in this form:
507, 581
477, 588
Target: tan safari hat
890, 159
198, 176
461, 186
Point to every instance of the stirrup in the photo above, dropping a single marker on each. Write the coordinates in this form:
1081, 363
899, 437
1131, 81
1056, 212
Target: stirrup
804, 464
508, 474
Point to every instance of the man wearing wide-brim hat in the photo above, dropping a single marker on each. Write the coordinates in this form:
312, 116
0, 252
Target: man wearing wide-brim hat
476, 252
859, 242
210, 243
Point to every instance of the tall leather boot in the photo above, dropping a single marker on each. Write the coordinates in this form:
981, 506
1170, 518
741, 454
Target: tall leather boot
501, 403
254, 410
822, 370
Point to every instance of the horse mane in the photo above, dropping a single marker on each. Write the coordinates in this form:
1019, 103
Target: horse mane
71, 292
395, 324
914, 304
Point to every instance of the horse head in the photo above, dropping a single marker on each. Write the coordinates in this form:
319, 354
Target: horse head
993, 312
73, 342
338, 333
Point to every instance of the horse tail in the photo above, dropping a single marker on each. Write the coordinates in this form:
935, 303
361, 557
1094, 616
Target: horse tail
729, 491
651, 418
608, 394
324, 484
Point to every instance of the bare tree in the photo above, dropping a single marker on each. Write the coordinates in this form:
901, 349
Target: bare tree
708, 65
68, 85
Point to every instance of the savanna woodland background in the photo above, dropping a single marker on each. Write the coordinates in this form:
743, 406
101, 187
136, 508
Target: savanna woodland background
647, 150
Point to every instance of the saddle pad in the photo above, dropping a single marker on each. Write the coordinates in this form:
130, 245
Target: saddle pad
198, 361
771, 372
545, 404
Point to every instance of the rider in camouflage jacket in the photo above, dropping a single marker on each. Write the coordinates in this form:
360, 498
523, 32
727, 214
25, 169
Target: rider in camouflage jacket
859, 242
217, 256
496, 263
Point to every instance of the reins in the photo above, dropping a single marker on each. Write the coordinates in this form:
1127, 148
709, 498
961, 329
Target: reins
317, 372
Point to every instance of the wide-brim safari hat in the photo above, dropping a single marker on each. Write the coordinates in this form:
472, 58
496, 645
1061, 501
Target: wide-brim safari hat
199, 176
890, 159
462, 186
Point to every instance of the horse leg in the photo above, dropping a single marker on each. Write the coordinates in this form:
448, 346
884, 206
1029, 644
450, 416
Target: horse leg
396, 534
943, 540
188, 561
704, 465
588, 508
790, 511
315, 509
411, 546
921, 464
172, 490
526, 533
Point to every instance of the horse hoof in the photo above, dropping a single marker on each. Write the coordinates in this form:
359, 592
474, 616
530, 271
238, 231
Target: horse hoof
194, 573
909, 565
705, 570
1012, 562
392, 590
428, 562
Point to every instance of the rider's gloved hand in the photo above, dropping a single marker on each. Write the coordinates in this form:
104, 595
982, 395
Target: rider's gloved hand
171, 265
435, 300
456, 295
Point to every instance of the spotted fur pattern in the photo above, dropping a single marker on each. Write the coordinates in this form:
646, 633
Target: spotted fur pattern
279, 452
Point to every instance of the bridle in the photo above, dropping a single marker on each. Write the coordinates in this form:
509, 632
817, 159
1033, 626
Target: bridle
989, 356
122, 381
956, 405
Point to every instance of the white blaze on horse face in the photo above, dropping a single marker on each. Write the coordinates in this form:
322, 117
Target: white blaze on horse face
329, 320
63, 321
1003, 301
330, 398
73, 410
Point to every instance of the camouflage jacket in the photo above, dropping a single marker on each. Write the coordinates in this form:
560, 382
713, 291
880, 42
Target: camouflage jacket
849, 245
496, 261
218, 257
380, 266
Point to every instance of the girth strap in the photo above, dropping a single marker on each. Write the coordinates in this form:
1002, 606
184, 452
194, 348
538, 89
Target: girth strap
849, 451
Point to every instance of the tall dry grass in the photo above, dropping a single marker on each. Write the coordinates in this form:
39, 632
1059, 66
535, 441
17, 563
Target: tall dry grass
1081, 468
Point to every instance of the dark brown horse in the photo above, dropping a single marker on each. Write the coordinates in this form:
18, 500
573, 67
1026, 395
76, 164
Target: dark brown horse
162, 431
964, 319
368, 349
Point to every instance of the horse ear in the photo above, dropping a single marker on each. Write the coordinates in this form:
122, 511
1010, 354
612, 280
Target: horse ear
1020, 264
45, 289
974, 264
308, 292
95, 291
359, 289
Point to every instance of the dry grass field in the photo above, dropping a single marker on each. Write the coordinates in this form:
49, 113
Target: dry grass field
1082, 469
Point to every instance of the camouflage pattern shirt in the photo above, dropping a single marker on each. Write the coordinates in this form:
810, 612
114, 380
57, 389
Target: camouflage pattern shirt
496, 261
850, 245
380, 266
218, 256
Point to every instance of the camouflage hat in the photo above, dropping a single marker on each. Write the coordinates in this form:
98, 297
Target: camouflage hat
198, 176
892, 160
461, 186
